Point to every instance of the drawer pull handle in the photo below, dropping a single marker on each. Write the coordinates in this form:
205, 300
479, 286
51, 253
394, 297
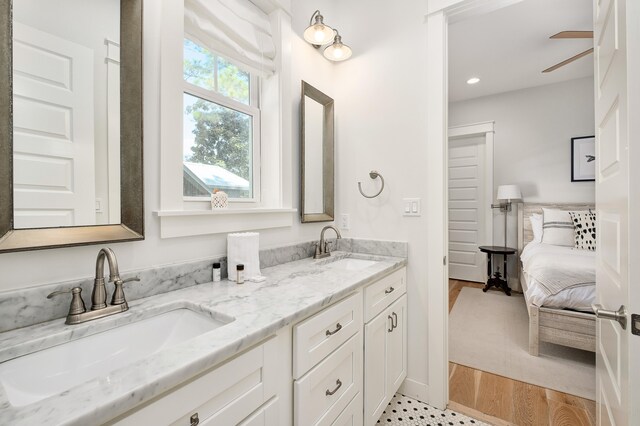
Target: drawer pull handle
195, 421
338, 385
389, 290
394, 321
338, 328
390, 329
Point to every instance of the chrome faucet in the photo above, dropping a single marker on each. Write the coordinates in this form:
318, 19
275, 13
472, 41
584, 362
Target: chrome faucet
99, 308
323, 248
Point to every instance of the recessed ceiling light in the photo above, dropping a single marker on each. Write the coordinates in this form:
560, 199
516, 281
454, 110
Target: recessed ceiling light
473, 80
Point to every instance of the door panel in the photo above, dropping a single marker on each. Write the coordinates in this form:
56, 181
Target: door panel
613, 195
53, 131
467, 208
375, 372
396, 346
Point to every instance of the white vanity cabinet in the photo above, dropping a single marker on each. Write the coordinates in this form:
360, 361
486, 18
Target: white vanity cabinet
246, 390
385, 343
339, 367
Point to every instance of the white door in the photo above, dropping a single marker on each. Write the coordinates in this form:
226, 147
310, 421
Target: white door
375, 367
54, 183
467, 208
397, 346
618, 246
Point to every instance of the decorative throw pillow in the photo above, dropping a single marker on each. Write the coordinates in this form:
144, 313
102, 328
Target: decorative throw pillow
536, 227
558, 228
584, 224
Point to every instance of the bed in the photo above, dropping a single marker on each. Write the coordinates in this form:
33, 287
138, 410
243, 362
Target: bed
565, 318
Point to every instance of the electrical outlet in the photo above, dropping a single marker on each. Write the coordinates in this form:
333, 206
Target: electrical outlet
345, 221
411, 207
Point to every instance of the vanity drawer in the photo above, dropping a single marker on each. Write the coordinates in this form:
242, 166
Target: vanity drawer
225, 395
318, 336
352, 415
383, 293
325, 391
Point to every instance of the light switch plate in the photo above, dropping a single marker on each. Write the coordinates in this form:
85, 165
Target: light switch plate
411, 207
345, 221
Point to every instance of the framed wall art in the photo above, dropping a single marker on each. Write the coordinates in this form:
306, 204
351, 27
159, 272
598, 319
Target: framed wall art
583, 159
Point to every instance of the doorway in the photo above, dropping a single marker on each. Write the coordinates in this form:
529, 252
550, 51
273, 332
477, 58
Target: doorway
441, 14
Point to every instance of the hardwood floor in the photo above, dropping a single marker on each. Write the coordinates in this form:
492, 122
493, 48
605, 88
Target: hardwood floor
503, 401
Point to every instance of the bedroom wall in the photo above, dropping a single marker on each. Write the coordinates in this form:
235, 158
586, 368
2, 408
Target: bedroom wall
532, 143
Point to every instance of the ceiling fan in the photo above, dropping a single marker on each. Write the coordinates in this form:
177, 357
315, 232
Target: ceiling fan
571, 34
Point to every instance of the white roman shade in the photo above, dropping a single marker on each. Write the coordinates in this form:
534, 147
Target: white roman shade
236, 29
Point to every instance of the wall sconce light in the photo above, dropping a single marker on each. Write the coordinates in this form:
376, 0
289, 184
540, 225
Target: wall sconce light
319, 34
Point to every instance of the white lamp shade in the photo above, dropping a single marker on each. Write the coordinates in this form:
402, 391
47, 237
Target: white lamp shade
337, 52
319, 34
509, 192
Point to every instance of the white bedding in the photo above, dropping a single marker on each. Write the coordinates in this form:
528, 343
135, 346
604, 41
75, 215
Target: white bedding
580, 297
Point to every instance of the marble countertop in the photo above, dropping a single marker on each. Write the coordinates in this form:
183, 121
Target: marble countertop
291, 292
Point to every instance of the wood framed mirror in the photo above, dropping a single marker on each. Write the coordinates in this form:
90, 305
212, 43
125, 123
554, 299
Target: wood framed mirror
316, 155
71, 144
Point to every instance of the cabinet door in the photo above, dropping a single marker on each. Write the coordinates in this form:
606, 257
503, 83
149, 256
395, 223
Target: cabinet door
375, 361
397, 345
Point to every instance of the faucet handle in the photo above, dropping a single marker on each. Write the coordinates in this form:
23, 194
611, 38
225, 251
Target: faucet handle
318, 251
77, 304
327, 246
118, 293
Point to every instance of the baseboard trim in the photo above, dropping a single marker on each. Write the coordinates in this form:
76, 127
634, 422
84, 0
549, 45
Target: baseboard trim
478, 415
415, 390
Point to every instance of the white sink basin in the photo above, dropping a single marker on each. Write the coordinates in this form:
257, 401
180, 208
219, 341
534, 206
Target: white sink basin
350, 264
36, 376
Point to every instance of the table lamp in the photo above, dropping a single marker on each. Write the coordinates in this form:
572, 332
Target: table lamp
506, 194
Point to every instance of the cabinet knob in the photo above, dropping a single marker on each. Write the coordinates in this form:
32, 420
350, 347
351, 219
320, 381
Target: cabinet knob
390, 329
389, 290
195, 421
394, 321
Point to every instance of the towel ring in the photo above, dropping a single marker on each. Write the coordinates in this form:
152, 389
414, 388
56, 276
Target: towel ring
373, 175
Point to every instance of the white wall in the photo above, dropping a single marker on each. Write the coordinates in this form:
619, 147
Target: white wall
34, 268
532, 142
380, 125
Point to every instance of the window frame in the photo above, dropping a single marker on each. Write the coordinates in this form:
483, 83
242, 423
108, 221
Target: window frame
252, 109
179, 218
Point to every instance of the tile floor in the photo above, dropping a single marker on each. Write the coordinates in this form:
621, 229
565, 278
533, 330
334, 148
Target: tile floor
405, 411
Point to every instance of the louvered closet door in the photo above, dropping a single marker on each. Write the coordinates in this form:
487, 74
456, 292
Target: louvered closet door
466, 208
617, 99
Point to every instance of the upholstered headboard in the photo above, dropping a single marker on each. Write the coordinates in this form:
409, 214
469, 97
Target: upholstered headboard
525, 210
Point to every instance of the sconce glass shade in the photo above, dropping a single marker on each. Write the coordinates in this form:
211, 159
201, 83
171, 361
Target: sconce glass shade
509, 192
318, 33
337, 51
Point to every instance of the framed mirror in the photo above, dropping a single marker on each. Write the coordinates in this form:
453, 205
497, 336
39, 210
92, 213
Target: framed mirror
317, 155
71, 170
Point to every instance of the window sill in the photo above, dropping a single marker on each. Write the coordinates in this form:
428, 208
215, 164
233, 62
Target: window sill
183, 223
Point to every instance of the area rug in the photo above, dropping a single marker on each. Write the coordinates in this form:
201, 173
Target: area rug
490, 332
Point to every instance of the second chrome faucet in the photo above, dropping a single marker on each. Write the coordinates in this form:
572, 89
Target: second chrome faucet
99, 308
323, 248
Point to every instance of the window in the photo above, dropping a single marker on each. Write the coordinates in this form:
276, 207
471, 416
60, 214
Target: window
221, 127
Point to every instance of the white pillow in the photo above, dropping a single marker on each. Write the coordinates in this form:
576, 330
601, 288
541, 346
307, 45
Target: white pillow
536, 227
558, 228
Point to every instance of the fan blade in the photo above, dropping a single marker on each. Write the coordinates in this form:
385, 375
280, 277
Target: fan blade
568, 61
573, 34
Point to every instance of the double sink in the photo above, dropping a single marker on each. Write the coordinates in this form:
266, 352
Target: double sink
38, 375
